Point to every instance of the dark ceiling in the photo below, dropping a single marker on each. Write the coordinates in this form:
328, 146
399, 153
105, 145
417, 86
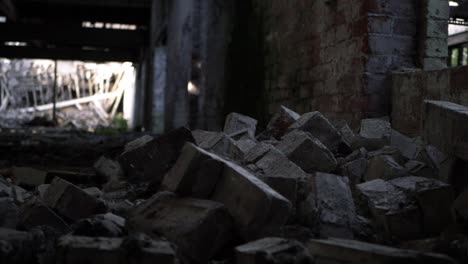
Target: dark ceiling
54, 29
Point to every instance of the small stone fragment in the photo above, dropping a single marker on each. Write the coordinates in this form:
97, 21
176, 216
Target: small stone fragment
375, 133
235, 122
108, 169
279, 123
384, 167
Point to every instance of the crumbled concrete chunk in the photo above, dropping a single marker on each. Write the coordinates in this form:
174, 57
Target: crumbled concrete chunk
278, 125
255, 207
108, 169
407, 146
235, 122
218, 143
72, 202
150, 160
321, 128
272, 250
384, 167
396, 214
356, 170
375, 133
9, 213
106, 225
80, 249
329, 208
200, 228
35, 213
29, 177
307, 152
434, 198
418, 168
195, 173
355, 252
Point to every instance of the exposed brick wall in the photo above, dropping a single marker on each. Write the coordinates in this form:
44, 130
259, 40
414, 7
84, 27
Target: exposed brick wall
334, 56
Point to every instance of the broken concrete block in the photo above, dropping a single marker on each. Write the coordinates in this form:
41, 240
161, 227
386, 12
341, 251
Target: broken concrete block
434, 198
446, 127
384, 167
106, 225
78, 249
360, 153
200, 228
407, 146
279, 124
346, 133
29, 177
35, 213
108, 169
397, 215
272, 250
18, 247
242, 135
143, 250
355, 170
218, 143
356, 252
94, 192
9, 213
255, 207
194, 174
41, 189
307, 152
150, 160
418, 168
374, 133
245, 145
72, 202
335, 205
235, 122
317, 125
276, 170
442, 163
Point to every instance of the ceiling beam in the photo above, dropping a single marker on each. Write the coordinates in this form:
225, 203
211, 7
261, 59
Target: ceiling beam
8, 9
68, 54
60, 34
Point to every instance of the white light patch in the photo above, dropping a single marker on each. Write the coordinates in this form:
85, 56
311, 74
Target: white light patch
16, 44
193, 89
3, 19
453, 3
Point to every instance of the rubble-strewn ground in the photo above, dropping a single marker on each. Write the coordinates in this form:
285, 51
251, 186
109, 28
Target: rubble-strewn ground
304, 190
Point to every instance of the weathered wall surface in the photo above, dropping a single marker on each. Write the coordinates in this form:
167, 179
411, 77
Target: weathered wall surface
334, 56
410, 89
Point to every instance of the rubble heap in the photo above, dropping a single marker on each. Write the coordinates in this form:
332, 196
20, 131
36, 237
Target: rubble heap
304, 190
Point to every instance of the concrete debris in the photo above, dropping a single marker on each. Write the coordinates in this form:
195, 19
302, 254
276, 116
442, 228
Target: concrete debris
80, 249
35, 213
434, 199
254, 206
351, 251
278, 125
445, 126
321, 128
219, 143
9, 213
272, 250
307, 152
328, 209
375, 133
149, 159
108, 169
29, 177
195, 173
384, 167
230, 197
396, 214
200, 228
275, 169
407, 146
72, 202
106, 225
236, 122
